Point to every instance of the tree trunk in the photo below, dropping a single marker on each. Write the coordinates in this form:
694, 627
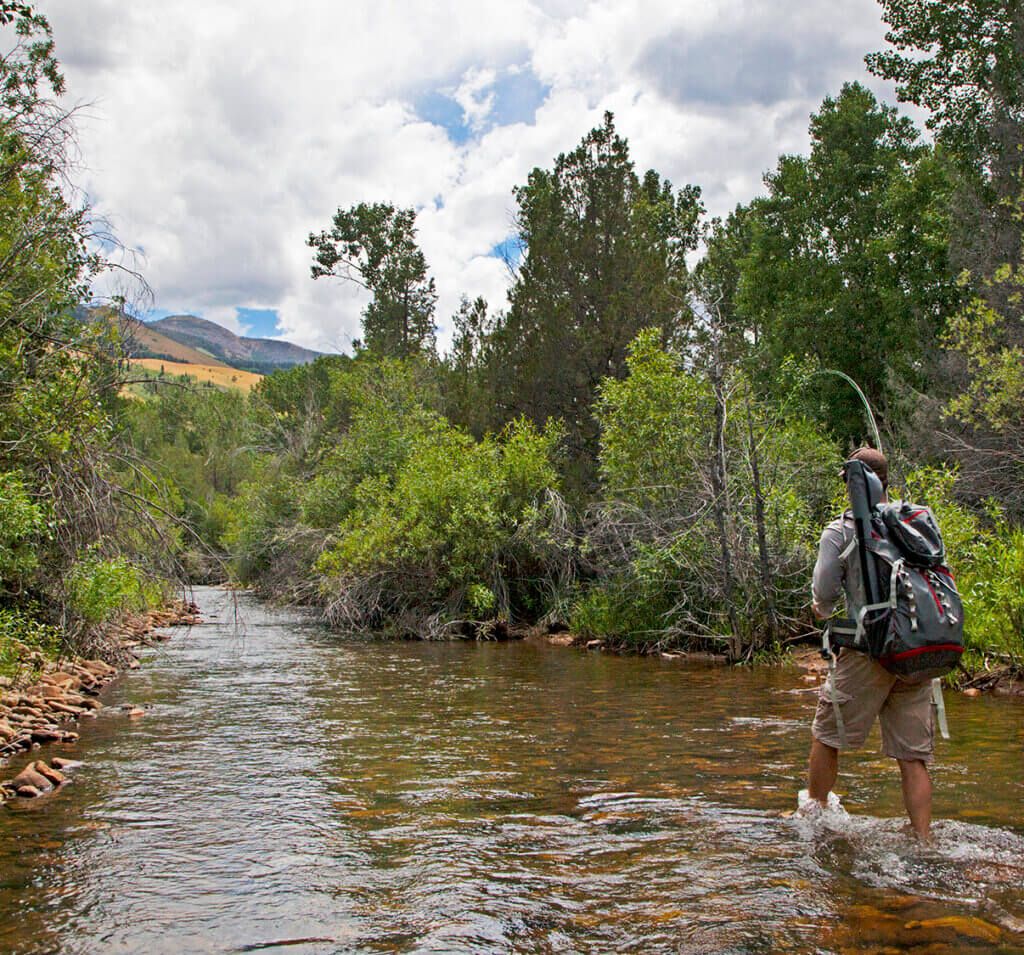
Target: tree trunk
767, 584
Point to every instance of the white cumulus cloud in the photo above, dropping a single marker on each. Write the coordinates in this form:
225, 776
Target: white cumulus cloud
219, 134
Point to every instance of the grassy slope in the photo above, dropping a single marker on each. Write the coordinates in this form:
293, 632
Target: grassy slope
155, 342
221, 376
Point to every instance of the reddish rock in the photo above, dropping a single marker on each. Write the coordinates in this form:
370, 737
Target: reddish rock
59, 762
28, 792
29, 777
54, 775
47, 734
972, 691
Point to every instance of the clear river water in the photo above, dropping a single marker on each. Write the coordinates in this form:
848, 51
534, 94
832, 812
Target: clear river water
289, 790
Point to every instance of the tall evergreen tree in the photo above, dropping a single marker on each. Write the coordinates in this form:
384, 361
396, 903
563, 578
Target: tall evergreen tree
603, 257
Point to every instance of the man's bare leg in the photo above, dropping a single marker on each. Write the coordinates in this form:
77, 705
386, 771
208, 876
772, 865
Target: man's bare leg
822, 770
917, 795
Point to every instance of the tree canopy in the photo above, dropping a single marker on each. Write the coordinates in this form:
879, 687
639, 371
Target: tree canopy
374, 246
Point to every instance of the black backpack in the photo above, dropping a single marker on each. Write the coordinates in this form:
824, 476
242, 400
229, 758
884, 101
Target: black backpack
916, 630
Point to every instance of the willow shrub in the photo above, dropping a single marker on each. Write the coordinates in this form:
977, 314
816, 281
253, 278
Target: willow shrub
657, 544
458, 532
986, 555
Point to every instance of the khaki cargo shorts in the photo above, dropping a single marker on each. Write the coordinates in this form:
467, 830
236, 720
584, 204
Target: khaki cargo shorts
864, 690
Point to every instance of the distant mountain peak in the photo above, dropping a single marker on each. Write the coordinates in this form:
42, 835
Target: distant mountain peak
248, 354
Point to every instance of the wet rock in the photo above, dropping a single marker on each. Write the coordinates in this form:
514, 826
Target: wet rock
972, 691
28, 792
7, 732
59, 762
594, 644
56, 777
99, 667
29, 777
26, 711
133, 711
47, 734
57, 678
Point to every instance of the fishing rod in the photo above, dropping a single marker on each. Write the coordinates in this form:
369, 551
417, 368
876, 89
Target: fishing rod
865, 491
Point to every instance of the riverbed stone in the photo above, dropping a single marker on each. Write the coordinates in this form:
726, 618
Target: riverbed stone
59, 762
28, 792
29, 777
47, 734
56, 777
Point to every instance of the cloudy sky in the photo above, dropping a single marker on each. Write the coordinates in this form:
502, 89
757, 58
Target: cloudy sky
218, 134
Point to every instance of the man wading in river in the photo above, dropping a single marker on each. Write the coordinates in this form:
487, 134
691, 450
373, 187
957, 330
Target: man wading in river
864, 688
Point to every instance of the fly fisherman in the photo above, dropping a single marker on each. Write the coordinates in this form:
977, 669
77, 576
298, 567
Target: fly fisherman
863, 688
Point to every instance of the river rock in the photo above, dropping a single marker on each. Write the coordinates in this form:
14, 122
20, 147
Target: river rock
54, 775
47, 734
29, 777
59, 762
27, 711
98, 666
57, 678
7, 732
972, 691
28, 792
51, 691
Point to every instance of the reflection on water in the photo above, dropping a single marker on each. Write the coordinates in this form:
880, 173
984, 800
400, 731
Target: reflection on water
287, 790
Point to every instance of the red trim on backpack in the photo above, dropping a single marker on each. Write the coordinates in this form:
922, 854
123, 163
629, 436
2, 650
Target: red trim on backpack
935, 596
935, 648
907, 520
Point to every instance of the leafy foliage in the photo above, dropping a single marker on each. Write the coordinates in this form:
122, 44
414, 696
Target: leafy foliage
375, 247
604, 257
962, 61
847, 258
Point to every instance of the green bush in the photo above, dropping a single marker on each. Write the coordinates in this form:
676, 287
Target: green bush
657, 542
23, 638
986, 554
100, 589
23, 524
457, 530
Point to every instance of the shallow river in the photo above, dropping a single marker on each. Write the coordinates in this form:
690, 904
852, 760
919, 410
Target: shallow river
289, 790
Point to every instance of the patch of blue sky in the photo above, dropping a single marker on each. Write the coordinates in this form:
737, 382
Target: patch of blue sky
155, 314
516, 94
259, 322
440, 109
508, 250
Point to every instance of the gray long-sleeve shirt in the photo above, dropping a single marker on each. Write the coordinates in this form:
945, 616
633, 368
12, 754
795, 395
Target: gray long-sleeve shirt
835, 575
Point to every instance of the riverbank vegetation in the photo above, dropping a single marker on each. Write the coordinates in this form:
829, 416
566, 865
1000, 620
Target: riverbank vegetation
78, 529
641, 445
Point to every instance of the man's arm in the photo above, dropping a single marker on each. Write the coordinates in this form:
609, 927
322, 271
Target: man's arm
827, 583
